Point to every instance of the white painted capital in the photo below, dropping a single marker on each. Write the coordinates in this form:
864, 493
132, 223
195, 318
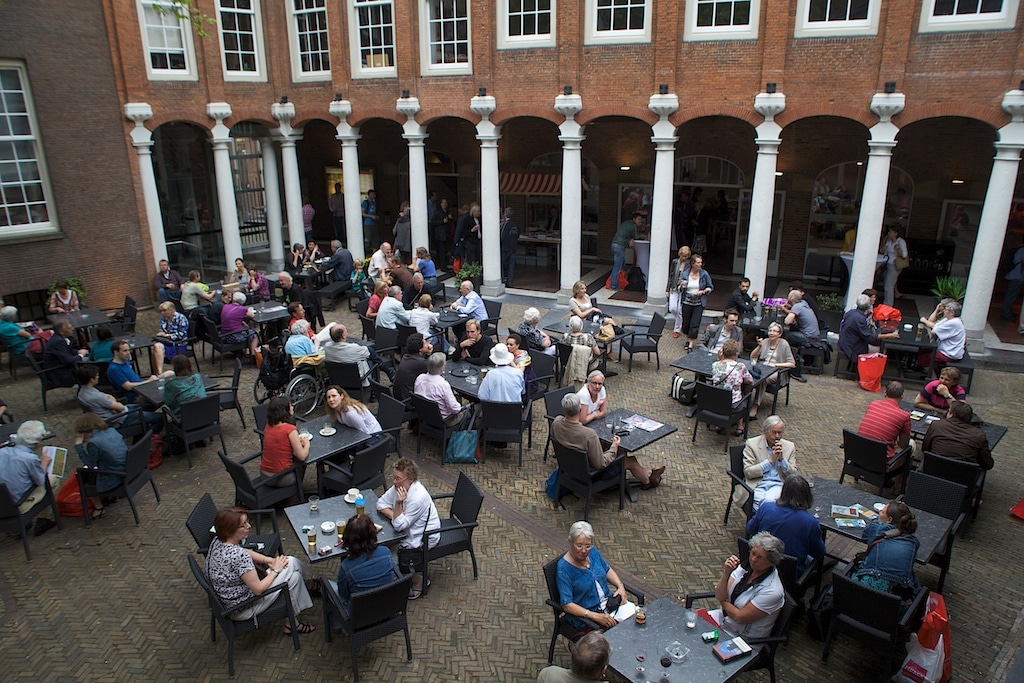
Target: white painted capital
218, 111
283, 114
572, 141
769, 105
483, 106
887, 105
347, 133
569, 105
408, 107
768, 145
140, 112
415, 139
490, 140
663, 105
1013, 104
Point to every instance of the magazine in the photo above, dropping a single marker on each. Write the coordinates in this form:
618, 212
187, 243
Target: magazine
850, 523
844, 511
644, 423
731, 649
58, 460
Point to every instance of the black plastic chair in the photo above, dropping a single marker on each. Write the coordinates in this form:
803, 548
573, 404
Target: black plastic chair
200, 525
368, 325
280, 609
259, 493
782, 381
965, 472
392, 415
386, 343
219, 345
562, 626
371, 615
865, 459
456, 532
552, 409
432, 424
259, 418
738, 480
136, 475
364, 471
575, 474
714, 406
644, 340
504, 422
13, 359
200, 420
229, 395
544, 368
945, 499
346, 376
489, 325
12, 521
404, 332
45, 375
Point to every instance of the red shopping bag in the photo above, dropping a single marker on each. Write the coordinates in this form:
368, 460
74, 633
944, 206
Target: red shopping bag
1018, 509
623, 280
870, 368
69, 499
930, 658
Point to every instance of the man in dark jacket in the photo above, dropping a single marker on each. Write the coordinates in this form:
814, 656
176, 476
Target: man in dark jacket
509, 242
60, 358
856, 333
412, 365
956, 438
740, 299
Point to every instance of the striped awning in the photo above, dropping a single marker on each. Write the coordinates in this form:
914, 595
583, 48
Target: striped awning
530, 183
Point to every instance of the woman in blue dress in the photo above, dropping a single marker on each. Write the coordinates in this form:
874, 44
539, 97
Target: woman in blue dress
585, 582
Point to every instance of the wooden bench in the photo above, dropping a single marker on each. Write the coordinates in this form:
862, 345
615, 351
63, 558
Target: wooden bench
332, 291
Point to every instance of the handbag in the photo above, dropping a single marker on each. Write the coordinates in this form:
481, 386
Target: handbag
606, 333
462, 447
901, 263
673, 302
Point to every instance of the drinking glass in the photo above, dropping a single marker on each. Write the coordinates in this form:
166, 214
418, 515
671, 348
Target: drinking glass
691, 618
641, 656
314, 504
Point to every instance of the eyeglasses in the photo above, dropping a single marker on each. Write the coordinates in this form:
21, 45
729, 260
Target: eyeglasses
399, 478
582, 546
597, 384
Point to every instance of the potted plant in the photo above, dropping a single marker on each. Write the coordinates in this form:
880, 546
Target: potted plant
831, 305
473, 272
949, 287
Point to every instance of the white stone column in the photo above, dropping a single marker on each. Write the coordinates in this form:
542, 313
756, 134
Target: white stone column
490, 209
572, 137
220, 138
416, 136
272, 200
142, 140
664, 140
284, 112
349, 137
876, 190
992, 227
762, 196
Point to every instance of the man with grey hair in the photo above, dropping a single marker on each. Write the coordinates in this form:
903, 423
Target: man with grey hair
799, 312
342, 263
469, 303
949, 331
751, 598
768, 460
340, 350
391, 311
24, 472
590, 657
536, 339
856, 335
378, 267
571, 433
509, 242
435, 388
310, 300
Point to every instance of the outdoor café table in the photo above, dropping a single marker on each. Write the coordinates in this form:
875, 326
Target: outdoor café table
700, 360
931, 529
82, 318
449, 319
323, 448
666, 623
270, 316
153, 390
635, 440
335, 509
909, 341
465, 378
918, 428
556, 321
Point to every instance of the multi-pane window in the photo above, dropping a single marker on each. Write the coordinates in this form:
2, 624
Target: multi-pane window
448, 32
375, 23
837, 10
721, 20
529, 18
968, 15
311, 46
837, 18
23, 186
621, 15
165, 38
238, 37
947, 8
723, 13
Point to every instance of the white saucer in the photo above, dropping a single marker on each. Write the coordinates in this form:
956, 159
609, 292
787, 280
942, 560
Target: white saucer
306, 434
878, 507
328, 431
351, 500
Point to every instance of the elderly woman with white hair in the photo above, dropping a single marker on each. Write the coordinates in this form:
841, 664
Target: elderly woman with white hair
535, 338
856, 333
14, 335
768, 460
233, 328
299, 344
751, 595
776, 352
585, 583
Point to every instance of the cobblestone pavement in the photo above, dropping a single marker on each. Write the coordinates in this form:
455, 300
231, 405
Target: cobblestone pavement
117, 601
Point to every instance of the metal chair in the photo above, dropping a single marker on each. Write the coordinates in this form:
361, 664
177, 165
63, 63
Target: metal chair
200, 420
738, 480
346, 376
364, 471
456, 532
552, 409
136, 475
644, 340
280, 609
229, 395
13, 521
259, 492
504, 422
965, 472
945, 499
865, 459
370, 615
715, 407
200, 525
575, 474
432, 424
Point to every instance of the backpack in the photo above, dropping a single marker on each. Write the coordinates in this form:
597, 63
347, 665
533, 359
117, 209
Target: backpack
555, 492
682, 389
636, 281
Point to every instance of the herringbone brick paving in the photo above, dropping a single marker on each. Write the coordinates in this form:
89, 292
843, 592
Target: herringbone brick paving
117, 601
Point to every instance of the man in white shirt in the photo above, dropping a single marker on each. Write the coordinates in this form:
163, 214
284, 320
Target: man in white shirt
379, 262
470, 302
391, 311
411, 509
432, 386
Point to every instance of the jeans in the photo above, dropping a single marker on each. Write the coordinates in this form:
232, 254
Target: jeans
618, 260
1013, 288
166, 295
508, 268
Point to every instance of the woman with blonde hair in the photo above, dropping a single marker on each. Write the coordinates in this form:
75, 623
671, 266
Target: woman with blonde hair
580, 304
675, 287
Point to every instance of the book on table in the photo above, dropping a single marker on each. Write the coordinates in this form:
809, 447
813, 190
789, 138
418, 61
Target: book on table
845, 511
729, 650
849, 523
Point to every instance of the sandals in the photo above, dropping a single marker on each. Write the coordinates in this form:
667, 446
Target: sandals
301, 628
415, 593
99, 513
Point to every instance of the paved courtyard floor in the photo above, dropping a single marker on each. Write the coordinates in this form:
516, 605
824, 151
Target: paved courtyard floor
117, 602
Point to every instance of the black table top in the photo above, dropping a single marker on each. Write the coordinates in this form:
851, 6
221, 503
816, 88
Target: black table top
269, 311
637, 439
666, 622
449, 318
909, 339
700, 360
918, 428
153, 390
86, 317
466, 384
335, 509
323, 447
931, 529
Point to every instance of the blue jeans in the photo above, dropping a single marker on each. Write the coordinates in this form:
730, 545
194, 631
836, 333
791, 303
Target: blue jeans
166, 295
618, 260
1013, 288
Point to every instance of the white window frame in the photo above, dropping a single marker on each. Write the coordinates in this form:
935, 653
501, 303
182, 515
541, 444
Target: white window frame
43, 229
996, 21
830, 29
358, 70
428, 69
595, 37
189, 73
260, 74
694, 33
298, 75
508, 42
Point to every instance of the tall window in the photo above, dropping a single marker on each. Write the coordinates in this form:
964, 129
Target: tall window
166, 39
618, 21
311, 50
240, 38
723, 13
721, 19
837, 10
526, 23
24, 189
373, 23
968, 15
837, 18
447, 37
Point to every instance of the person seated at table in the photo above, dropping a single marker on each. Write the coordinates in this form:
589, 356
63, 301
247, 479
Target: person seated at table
892, 548
259, 285
99, 350
768, 460
422, 317
536, 339
413, 293
108, 408
412, 365
341, 263
939, 394
240, 274
585, 581
310, 300
311, 254
340, 350
167, 282
856, 333
470, 303
957, 438
120, 373
945, 326
435, 388
233, 577
380, 292
391, 312
23, 469
590, 655
788, 520
282, 444
521, 359
716, 335
100, 446
298, 312
367, 565
740, 300
577, 337
593, 397
776, 352
885, 421
424, 265
64, 299
411, 510
378, 266
567, 430
474, 347
295, 258
60, 357
186, 385
800, 316
728, 373
752, 595
299, 342
217, 306
15, 336
233, 327
343, 409
504, 383
581, 305
401, 276
194, 291
172, 339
